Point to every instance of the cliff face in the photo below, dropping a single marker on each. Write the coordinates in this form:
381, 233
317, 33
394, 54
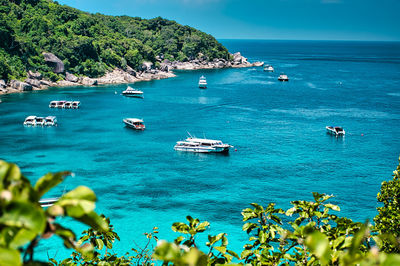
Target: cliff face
43, 36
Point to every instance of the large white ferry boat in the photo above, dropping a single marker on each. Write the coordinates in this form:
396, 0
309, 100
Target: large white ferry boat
203, 82
192, 144
131, 92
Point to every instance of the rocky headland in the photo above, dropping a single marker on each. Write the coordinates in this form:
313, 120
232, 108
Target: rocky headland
148, 71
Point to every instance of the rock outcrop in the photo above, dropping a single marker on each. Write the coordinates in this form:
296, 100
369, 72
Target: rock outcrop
34, 75
34, 82
89, 82
19, 85
147, 66
55, 62
2, 84
71, 77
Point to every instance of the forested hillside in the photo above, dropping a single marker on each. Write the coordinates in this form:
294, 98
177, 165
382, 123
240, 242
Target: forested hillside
90, 44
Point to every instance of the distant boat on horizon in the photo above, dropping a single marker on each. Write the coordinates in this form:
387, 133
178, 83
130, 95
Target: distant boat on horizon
203, 82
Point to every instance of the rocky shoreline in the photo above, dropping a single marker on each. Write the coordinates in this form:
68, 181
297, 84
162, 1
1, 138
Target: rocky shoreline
148, 71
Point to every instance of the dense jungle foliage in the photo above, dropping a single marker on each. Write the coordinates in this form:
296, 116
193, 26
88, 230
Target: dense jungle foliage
91, 44
308, 233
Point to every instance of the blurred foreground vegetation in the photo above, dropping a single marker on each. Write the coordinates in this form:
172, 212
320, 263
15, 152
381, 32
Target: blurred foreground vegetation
308, 233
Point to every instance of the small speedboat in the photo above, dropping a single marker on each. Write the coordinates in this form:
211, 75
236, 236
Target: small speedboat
336, 131
61, 104
40, 121
30, 121
53, 104
131, 92
68, 105
51, 121
134, 123
75, 104
203, 82
283, 77
202, 146
269, 68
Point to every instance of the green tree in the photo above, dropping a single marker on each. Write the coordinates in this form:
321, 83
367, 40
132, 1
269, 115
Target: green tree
387, 222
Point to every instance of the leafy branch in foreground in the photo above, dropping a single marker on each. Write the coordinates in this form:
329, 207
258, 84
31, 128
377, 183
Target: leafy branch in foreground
23, 222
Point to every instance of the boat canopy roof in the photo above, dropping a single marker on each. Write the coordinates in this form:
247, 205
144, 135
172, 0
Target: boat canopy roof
31, 117
50, 117
134, 120
210, 141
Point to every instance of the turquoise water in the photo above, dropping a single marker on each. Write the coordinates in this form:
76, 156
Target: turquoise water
283, 152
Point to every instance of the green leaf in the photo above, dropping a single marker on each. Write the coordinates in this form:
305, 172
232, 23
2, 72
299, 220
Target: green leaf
94, 220
99, 244
23, 215
10, 257
332, 206
202, 226
48, 181
180, 227
318, 243
221, 249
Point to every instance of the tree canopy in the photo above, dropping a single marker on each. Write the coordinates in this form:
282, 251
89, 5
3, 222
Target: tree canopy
90, 44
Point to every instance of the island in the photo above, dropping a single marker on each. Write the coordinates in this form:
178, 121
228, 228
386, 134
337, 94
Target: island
45, 44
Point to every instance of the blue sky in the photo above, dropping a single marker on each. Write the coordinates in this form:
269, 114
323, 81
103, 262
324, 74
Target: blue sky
267, 19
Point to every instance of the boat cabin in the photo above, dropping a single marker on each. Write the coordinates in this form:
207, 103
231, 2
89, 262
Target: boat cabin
68, 104
75, 104
53, 104
51, 121
30, 120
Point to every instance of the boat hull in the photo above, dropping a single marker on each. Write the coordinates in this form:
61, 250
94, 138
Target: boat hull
201, 149
133, 95
134, 127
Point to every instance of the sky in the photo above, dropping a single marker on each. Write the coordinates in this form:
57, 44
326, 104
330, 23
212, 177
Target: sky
364, 20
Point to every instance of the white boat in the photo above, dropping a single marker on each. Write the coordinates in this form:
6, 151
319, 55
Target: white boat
202, 146
51, 121
47, 202
40, 121
30, 121
68, 105
65, 104
269, 68
203, 82
283, 77
53, 104
336, 131
61, 104
75, 104
134, 123
131, 92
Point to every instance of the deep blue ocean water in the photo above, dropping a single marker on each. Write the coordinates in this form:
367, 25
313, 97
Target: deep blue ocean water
283, 152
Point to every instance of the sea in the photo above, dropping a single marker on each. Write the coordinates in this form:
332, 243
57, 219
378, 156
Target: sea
281, 149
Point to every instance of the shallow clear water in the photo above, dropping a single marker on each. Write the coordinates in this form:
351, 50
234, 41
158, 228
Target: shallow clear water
283, 152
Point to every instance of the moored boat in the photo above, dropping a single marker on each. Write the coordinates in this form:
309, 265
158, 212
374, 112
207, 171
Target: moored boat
53, 104
68, 105
134, 123
61, 104
75, 104
203, 82
47, 202
202, 146
51, 121
269, 68
336, 131
40, 121
131, 92
30, 121
283, 77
